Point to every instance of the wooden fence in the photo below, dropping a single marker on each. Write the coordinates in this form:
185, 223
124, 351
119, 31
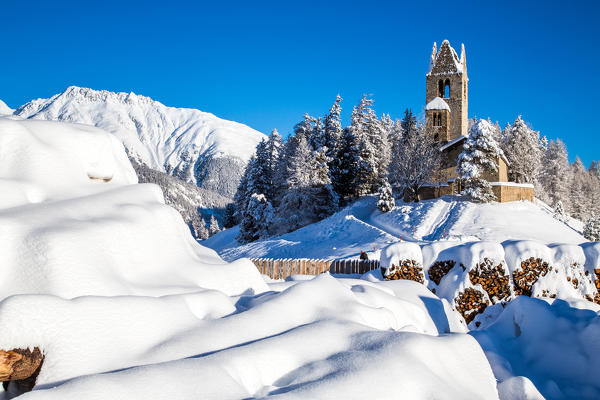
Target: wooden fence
282, 268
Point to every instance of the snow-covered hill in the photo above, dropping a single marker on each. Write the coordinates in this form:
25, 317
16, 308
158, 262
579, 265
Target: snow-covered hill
192, 145
361, 227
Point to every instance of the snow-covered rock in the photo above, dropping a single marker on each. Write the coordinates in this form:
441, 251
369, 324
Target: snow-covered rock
190, 144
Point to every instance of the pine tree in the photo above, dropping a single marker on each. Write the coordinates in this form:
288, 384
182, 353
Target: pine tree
229, 217
522, 148
480, 153
332, 130
198, 227
345, 165
591, 228
213, 226
578, 190
386, 199
559, 212
367, 129
257, 219
554, 175
274, 151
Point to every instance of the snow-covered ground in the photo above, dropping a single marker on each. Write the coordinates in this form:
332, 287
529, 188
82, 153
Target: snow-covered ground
108, 282
362, 227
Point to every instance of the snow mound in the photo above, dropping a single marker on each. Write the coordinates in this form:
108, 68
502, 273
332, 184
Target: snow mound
190, 144
363, 329
90, 230
48, 161
555, 345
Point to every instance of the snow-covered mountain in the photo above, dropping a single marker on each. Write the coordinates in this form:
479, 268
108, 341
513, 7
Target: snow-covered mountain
4, 109
192, 145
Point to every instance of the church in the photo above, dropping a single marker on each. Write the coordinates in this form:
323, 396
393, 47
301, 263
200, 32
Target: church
446, 113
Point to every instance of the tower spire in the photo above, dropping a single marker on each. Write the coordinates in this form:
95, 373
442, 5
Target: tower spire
433, 56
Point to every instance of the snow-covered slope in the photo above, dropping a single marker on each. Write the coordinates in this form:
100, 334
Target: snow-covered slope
4, 109
190, 144
361, 227
107, 281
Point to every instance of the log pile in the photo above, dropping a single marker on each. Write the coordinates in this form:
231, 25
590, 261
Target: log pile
19, 369
439, 269
528, 274
408, 269
597, 281
493, 278
470, 303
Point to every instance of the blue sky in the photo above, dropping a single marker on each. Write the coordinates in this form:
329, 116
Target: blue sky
267, 63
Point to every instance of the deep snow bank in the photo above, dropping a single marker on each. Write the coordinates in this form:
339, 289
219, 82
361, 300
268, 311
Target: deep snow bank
323, 338
73, 224
555, 344
108, 282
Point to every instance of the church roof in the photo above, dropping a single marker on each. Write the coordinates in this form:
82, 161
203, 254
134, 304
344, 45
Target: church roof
437, 104
446, 61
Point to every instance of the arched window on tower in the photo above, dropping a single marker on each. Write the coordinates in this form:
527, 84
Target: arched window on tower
441, 88
447, 89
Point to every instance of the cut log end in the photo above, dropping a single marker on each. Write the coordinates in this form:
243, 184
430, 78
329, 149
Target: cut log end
19, 364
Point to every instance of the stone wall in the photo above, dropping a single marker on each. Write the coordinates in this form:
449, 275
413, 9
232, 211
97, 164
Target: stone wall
514, 192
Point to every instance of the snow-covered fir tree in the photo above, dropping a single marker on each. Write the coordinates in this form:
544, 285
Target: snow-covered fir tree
213, 226
386, 199
559, 212
309, 196
372, 139
522, 148
229, 217
480, 153
274, 153
256, 219
554, 174
198, 228
578, 190
346, 165
415, 159
591, 228
332, 129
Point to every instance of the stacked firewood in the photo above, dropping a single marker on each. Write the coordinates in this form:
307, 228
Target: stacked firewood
493, 278
597, 281
408, 269
470, 303
528, 274
439, 269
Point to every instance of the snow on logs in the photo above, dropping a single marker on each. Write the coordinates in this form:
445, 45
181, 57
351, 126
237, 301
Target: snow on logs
474, 275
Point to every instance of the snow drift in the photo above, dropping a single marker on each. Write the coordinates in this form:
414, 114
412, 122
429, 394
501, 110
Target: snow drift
108, 282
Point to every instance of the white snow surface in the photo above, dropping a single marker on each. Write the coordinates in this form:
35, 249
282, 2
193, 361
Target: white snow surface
554, 343
361, 226
437, 104
108, 282
164, 138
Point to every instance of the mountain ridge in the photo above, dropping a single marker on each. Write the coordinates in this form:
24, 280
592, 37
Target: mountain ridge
190, 144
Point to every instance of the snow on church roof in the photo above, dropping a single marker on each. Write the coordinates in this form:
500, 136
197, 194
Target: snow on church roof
437, 104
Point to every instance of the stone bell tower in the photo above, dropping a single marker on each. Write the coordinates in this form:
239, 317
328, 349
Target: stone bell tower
447, 93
